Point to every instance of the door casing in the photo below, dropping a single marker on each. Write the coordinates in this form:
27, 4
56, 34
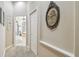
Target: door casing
33, 11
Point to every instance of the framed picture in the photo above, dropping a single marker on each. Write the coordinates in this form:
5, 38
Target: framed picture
52, 15
2, 16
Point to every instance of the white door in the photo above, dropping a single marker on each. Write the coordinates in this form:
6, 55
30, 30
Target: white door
33, 18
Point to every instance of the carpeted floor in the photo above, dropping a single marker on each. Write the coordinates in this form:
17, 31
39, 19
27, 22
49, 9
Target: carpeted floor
22, 52
19, 52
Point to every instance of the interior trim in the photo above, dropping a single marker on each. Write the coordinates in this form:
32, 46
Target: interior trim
57, 49
6, 49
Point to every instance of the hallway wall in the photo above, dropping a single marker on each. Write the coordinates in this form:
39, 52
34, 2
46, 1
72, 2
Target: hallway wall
2, 36
2, 40
63, 36
6, 30
8, 10
77, 30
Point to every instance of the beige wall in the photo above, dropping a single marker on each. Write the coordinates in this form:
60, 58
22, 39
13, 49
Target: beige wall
77, 30
6, 30
2, 40
8, 9
63, 36
2, 36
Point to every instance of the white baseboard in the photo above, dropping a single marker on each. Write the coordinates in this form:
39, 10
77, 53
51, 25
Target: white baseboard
4, 53
6, 49
57, 49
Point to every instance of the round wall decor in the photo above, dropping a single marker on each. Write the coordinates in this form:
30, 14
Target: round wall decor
52, 15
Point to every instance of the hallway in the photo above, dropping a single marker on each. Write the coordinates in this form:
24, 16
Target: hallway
39, 28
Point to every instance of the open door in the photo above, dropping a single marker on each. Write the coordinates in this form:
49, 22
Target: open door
33, 22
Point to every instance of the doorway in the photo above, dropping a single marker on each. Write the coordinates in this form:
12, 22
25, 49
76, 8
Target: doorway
20, 31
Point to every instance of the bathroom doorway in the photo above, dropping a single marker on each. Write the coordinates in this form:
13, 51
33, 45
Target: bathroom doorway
20, 31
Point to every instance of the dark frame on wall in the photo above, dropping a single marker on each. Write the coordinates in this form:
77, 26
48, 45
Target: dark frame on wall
2, 17
55, 12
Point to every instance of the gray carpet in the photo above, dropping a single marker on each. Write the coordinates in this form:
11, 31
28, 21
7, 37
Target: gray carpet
19, 52
22, 52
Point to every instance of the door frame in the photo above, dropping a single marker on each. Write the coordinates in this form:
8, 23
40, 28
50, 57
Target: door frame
34, 10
